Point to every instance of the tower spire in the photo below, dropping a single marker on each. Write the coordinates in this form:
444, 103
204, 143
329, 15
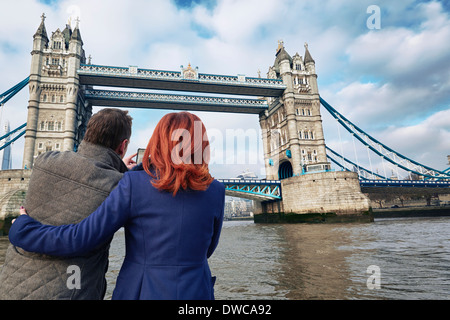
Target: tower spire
41, 31
76, 35
308, 57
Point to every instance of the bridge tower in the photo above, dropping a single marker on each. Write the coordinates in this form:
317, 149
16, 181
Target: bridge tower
57, 111
294, 148
293, 137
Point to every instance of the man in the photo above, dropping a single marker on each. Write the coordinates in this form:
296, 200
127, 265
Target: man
64, 188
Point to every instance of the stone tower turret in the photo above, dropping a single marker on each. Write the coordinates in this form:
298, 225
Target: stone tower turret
57, 112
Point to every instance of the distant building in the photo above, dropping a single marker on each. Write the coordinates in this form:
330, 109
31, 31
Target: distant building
6, 158
238, 208
247, 175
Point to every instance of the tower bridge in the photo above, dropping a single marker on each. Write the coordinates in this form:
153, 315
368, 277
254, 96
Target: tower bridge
299, 177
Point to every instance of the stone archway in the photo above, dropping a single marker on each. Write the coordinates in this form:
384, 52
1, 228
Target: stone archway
285, 170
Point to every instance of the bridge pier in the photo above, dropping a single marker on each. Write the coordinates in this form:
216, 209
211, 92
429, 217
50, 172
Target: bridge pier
319, 197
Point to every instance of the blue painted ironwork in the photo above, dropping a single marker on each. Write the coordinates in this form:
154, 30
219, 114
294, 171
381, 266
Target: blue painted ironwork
174, 101
261, 190
406, 183
13, 140
362, 172
14, 131
8, 94
382, 150
174, 75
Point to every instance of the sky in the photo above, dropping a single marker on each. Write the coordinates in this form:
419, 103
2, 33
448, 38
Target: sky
392, 79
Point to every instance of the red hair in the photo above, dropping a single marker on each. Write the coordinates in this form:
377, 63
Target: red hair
177, 154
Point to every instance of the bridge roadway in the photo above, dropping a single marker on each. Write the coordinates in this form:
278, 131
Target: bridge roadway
259, 190
264, 190
405, 186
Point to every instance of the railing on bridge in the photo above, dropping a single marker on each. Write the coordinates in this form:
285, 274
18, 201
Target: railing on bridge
405, 183
261, 190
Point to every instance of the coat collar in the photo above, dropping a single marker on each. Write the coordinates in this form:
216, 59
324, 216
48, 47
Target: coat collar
102, 154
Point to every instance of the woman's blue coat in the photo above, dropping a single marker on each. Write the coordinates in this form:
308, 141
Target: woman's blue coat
168, 239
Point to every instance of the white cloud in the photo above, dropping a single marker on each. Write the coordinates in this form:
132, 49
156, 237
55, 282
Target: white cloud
427, 142
400, 53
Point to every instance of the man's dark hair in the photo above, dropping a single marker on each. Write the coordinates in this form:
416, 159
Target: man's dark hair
109, 127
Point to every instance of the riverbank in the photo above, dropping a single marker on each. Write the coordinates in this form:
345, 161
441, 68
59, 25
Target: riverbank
442, 211
328, 217
404, 212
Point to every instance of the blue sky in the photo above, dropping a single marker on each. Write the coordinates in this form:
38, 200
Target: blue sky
394, 82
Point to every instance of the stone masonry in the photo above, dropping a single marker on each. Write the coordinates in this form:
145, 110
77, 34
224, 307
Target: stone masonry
13, 188
338, 192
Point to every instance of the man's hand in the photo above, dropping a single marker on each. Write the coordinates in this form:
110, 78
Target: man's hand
129, 162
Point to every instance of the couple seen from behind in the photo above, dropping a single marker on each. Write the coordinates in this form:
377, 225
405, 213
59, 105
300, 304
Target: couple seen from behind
169, 205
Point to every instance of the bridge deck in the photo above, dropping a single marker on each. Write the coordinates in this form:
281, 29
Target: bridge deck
125, 99
259, 190
171, 80
405, 183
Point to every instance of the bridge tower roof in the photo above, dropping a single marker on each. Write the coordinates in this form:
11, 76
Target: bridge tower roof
41, 31
308, 57
76, 35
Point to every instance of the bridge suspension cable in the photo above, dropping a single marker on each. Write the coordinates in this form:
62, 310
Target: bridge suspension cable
363, 172
15, 138
14, 131
384, 151
8, 94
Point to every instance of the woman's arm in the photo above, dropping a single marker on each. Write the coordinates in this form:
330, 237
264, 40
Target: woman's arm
218, 221
75, 239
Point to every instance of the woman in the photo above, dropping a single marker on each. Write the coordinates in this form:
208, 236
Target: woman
172, 211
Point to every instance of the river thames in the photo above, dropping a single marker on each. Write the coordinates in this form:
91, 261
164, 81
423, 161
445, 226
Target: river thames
323, 261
